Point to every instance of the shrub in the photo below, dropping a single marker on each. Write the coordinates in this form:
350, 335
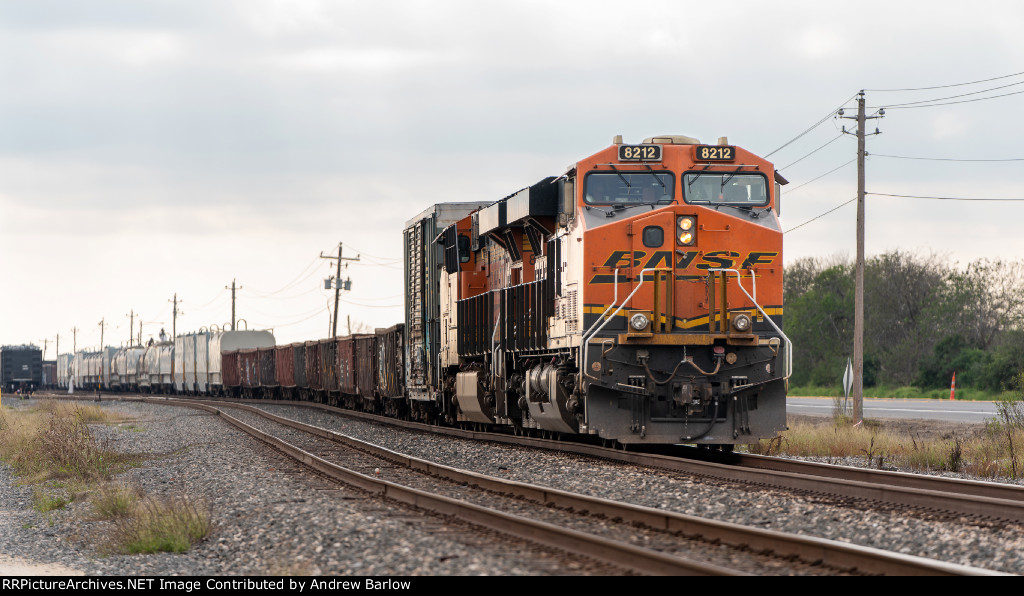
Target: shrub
168, 525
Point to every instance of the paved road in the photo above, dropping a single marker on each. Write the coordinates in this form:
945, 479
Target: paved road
923, 409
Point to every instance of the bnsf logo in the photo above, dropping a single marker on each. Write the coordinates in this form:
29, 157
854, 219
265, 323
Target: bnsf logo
718, 259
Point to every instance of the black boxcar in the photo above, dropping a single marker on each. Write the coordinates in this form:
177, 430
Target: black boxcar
268, 372
21, 367
329, 366
249, 371
49, 374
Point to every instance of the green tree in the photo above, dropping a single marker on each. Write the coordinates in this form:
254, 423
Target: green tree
900, 326
819, 322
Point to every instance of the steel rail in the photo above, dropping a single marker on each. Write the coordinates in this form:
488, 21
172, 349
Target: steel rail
978, 488
986, 500
767, 477
571, 541
809, 549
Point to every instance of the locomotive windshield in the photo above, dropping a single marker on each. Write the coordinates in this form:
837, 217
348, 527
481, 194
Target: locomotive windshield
608, 188
725, 188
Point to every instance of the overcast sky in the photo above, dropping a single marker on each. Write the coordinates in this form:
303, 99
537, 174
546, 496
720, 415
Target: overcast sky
161, 148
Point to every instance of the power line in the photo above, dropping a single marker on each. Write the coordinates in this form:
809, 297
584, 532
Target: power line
881, 194
307, 272
948, 103
378, 258
313, 289
944, 159
947, 86
837, 137
303, 314
213, 305
790, 191
211, 301
961, 95
822, 215
316, 314
815, 125
371, 305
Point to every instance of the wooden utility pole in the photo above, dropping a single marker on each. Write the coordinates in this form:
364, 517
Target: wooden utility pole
232, 288
337, 285
174, 317
74, 340
858, 296
103, 328
131, 326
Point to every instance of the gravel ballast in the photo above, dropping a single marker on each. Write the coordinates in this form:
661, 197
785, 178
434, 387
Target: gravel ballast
273, 519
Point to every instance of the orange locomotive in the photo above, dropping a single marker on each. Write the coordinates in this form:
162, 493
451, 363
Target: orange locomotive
637, 298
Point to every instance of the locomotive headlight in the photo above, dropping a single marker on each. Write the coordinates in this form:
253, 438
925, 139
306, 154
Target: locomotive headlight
639, 321
741, 323
685, 231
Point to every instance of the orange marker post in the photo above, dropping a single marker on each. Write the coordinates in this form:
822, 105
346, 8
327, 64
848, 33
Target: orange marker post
952, 388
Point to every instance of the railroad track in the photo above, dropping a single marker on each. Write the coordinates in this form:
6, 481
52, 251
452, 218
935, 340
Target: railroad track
935, 495
636, 539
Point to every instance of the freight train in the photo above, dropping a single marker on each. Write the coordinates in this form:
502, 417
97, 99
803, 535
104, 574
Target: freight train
635, 298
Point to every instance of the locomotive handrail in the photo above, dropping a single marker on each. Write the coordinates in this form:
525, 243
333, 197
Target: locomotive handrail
787, 343
590, 332
587, 338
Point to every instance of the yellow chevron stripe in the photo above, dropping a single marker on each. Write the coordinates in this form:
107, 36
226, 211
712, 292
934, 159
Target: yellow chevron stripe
684, 323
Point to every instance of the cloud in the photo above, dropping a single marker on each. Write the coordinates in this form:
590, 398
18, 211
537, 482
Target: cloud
949, 125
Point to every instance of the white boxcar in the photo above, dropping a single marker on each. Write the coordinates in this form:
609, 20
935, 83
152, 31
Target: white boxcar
184, 369
155, 367
133, 355
106, 365
64, 369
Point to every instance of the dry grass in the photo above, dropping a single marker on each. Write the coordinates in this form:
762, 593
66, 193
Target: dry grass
986, 453
160, 525
52, 446
54, 441
116, 500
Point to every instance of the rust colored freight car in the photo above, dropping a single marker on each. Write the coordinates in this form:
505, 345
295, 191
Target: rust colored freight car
231, 373
284, 364
299, 369
390, 362
366, 370
314, 375
347, 365
268, 372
